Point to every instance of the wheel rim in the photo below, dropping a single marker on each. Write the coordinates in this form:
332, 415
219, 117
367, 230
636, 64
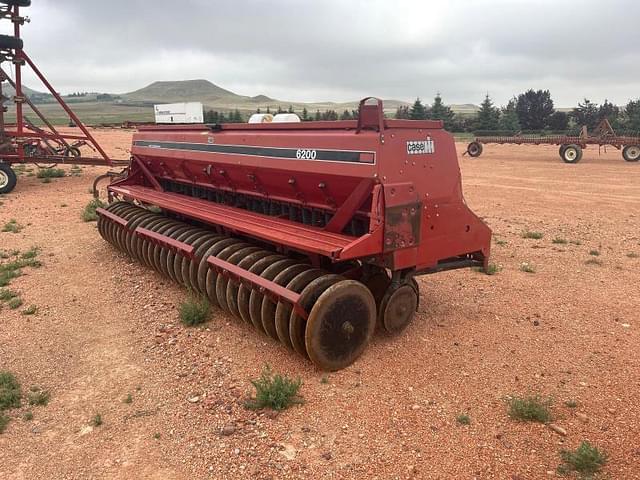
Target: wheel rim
633, 153
4, 179
570, 154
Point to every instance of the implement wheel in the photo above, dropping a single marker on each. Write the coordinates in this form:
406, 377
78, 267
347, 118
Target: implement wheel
474, 149
340, 325
572, 154
8, 178
398, 307
631, 153
561, 150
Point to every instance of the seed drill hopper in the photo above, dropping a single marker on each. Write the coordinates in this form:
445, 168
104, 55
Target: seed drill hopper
311, 232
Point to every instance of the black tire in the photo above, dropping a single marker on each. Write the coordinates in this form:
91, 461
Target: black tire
561, 150
474, 149
8, 42
19, 3
631, 153
8, 178
72, 152
572, 154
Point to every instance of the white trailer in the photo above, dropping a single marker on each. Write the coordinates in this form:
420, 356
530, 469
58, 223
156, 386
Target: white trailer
189, 112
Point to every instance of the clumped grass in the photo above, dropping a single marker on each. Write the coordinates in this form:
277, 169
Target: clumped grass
501, 242
492, 269
532, 235
530, 409
575, 242
6, 294
14, 303
30, 310
527, 268
571, 403
89, 213
463, 419
7, 276
324, 380
30, 254
10, 394
156, 435
595, 253
593, 261
274, 391
50, 173
586, 460
38, 397
96, 421
559, 241
4, 421
128, 398
12, 226
46, 180
632, 255
194, 311
28, 416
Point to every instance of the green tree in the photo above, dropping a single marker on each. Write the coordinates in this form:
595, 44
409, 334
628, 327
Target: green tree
632, 115
258, 110
305, 114
509, 121
586, 113
488, 116
318, 115
558, 121
418, 111
609, 111
236, 117
534, 109
280, 110
346, 115
290, 110
440, 111
402, 112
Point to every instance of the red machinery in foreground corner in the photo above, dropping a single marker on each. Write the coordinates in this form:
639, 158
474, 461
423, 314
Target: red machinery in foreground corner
23, 142
312, 232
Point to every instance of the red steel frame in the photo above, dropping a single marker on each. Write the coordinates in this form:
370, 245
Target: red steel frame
417, 219
23, 133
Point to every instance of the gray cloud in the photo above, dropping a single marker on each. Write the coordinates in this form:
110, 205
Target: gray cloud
344, 49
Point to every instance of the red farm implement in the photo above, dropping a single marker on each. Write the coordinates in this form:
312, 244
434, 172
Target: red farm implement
571, 147
311, 232
23, 141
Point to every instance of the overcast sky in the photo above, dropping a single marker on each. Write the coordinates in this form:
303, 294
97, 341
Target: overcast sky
343, 49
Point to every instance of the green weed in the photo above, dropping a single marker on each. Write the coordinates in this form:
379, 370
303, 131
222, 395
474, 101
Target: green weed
274, 391
530, 409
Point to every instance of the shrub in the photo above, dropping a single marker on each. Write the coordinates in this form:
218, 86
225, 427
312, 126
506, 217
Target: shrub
532, 235
194, 311
12, 226
593, 261
559, 241
14, 303
463, 419
30, 310
274, 391
10, 394
530, 409
527, 268
4, 421
50, 173
587, 460
38, 397
6, 294
89, 213
96, 421
595, 253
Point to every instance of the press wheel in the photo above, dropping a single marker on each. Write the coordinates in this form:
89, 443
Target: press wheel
340, 325
268, 309
398, 307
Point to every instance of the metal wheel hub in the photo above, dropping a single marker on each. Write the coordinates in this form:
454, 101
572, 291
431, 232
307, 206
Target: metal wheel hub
4, 179
633, 153
398, 308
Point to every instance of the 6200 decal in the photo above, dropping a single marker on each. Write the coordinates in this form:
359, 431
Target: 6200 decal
306, 154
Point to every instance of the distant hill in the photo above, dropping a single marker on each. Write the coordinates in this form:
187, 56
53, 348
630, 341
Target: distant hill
8, 91
180, 91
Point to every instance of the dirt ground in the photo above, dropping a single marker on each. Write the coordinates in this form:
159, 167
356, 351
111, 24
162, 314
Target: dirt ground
107, 327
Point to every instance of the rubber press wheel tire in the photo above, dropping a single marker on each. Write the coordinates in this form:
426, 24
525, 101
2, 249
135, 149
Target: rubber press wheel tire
474, 149
7, 42
572, 154
8, 178
631, 153
561, 150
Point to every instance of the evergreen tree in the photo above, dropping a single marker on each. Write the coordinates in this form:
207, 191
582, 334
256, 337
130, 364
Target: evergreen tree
418, 111
534, 109
509, 121
346, 115
440, 111
609, 111
305, 114
318, 115
280, 110
258, 110
632, 116
488, 116
236, 117
355, 114
268, 109
402, 112
290, 110
586, 114
558, 122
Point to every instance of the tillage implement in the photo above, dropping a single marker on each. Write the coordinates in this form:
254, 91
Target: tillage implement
311, 232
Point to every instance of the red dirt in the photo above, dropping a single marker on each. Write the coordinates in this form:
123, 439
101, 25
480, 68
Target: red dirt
106, 327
